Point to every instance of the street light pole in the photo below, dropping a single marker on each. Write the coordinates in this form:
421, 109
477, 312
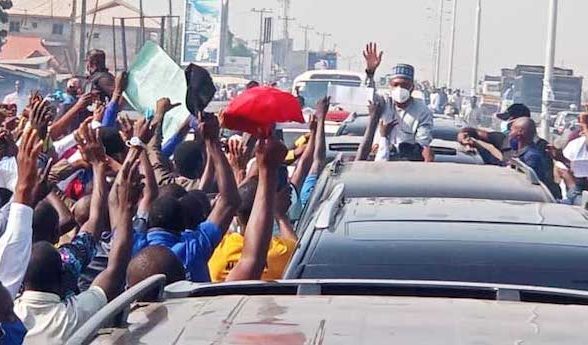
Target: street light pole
476, 48
452, 45
439, 37
548, 95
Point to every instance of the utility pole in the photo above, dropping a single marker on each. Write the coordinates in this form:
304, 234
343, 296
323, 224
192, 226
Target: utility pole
324, 36
170, 28
476, 48
548, 95
224, 42
452, 45
142, 22
306, 29
286, 37
261, 13
72, 36
82, 56
437, 80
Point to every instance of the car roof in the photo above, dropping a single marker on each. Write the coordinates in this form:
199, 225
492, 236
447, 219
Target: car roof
443, 180
447, 240
470, 211
348, 320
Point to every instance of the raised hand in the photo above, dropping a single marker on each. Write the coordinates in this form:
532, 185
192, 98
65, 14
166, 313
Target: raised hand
28, 176
270, 154
386, 129
126, 191
120, 83
90, 144
40, 116
99, 109
143, 130
164, 105
85, 100
209, 126
372, 57
126, 127
322, 107
236, 154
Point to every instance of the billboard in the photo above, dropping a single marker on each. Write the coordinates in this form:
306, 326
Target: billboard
322, 60
202, 32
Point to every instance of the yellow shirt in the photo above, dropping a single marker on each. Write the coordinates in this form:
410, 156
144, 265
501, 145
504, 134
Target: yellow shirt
228, 253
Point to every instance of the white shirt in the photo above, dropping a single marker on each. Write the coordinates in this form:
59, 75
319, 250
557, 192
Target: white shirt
52, 321
15, 247
62, 145
415, 125
577, 153
8, 173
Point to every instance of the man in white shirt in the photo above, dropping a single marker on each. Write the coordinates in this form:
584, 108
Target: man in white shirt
18, 97
48, 318
15, 243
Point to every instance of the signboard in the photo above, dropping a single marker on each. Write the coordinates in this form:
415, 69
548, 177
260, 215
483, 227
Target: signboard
236, 65
322, 60
202, 32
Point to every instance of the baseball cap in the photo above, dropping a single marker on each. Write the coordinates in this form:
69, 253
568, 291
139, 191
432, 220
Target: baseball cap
515, 111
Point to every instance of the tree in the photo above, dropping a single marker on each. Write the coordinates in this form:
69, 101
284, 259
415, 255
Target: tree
4, 5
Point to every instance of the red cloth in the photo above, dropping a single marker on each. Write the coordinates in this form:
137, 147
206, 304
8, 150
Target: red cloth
257, 110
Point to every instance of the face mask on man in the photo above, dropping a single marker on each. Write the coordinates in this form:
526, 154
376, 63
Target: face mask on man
505, 127
400, 95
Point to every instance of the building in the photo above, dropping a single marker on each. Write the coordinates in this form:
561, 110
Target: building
58, 25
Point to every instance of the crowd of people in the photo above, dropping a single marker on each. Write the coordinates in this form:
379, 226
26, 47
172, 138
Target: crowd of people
93, 202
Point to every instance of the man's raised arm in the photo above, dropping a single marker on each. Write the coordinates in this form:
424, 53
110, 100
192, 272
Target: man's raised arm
228, 199
270, 155
123, 199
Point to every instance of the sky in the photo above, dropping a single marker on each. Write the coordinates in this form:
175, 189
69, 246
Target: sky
513, 31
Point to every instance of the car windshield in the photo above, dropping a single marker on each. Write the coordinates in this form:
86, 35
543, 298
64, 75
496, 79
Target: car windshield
314, 90
451, 251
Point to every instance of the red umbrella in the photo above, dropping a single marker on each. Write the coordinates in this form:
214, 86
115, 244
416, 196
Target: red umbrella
257, 110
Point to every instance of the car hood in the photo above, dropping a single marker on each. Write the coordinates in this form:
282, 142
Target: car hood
350, 320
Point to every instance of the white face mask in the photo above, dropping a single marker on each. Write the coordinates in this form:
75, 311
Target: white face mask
400, 95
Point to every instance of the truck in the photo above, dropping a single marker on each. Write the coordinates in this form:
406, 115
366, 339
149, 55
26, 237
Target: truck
524, 84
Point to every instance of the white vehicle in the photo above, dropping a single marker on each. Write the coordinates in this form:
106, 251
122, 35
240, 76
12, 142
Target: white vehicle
313, 85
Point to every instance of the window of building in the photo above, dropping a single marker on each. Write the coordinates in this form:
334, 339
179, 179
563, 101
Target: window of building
96, 35
14, 27
35, 25
57, 29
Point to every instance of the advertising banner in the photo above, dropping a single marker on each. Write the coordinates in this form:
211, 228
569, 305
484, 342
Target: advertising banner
322, 60
202, 32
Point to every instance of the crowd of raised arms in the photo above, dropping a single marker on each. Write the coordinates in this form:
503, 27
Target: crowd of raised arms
94, 203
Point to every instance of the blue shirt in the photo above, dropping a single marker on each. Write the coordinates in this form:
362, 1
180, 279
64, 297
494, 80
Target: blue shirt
110, 114
193, 247
536, 160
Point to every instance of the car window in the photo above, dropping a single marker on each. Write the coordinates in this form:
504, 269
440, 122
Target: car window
451, 251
